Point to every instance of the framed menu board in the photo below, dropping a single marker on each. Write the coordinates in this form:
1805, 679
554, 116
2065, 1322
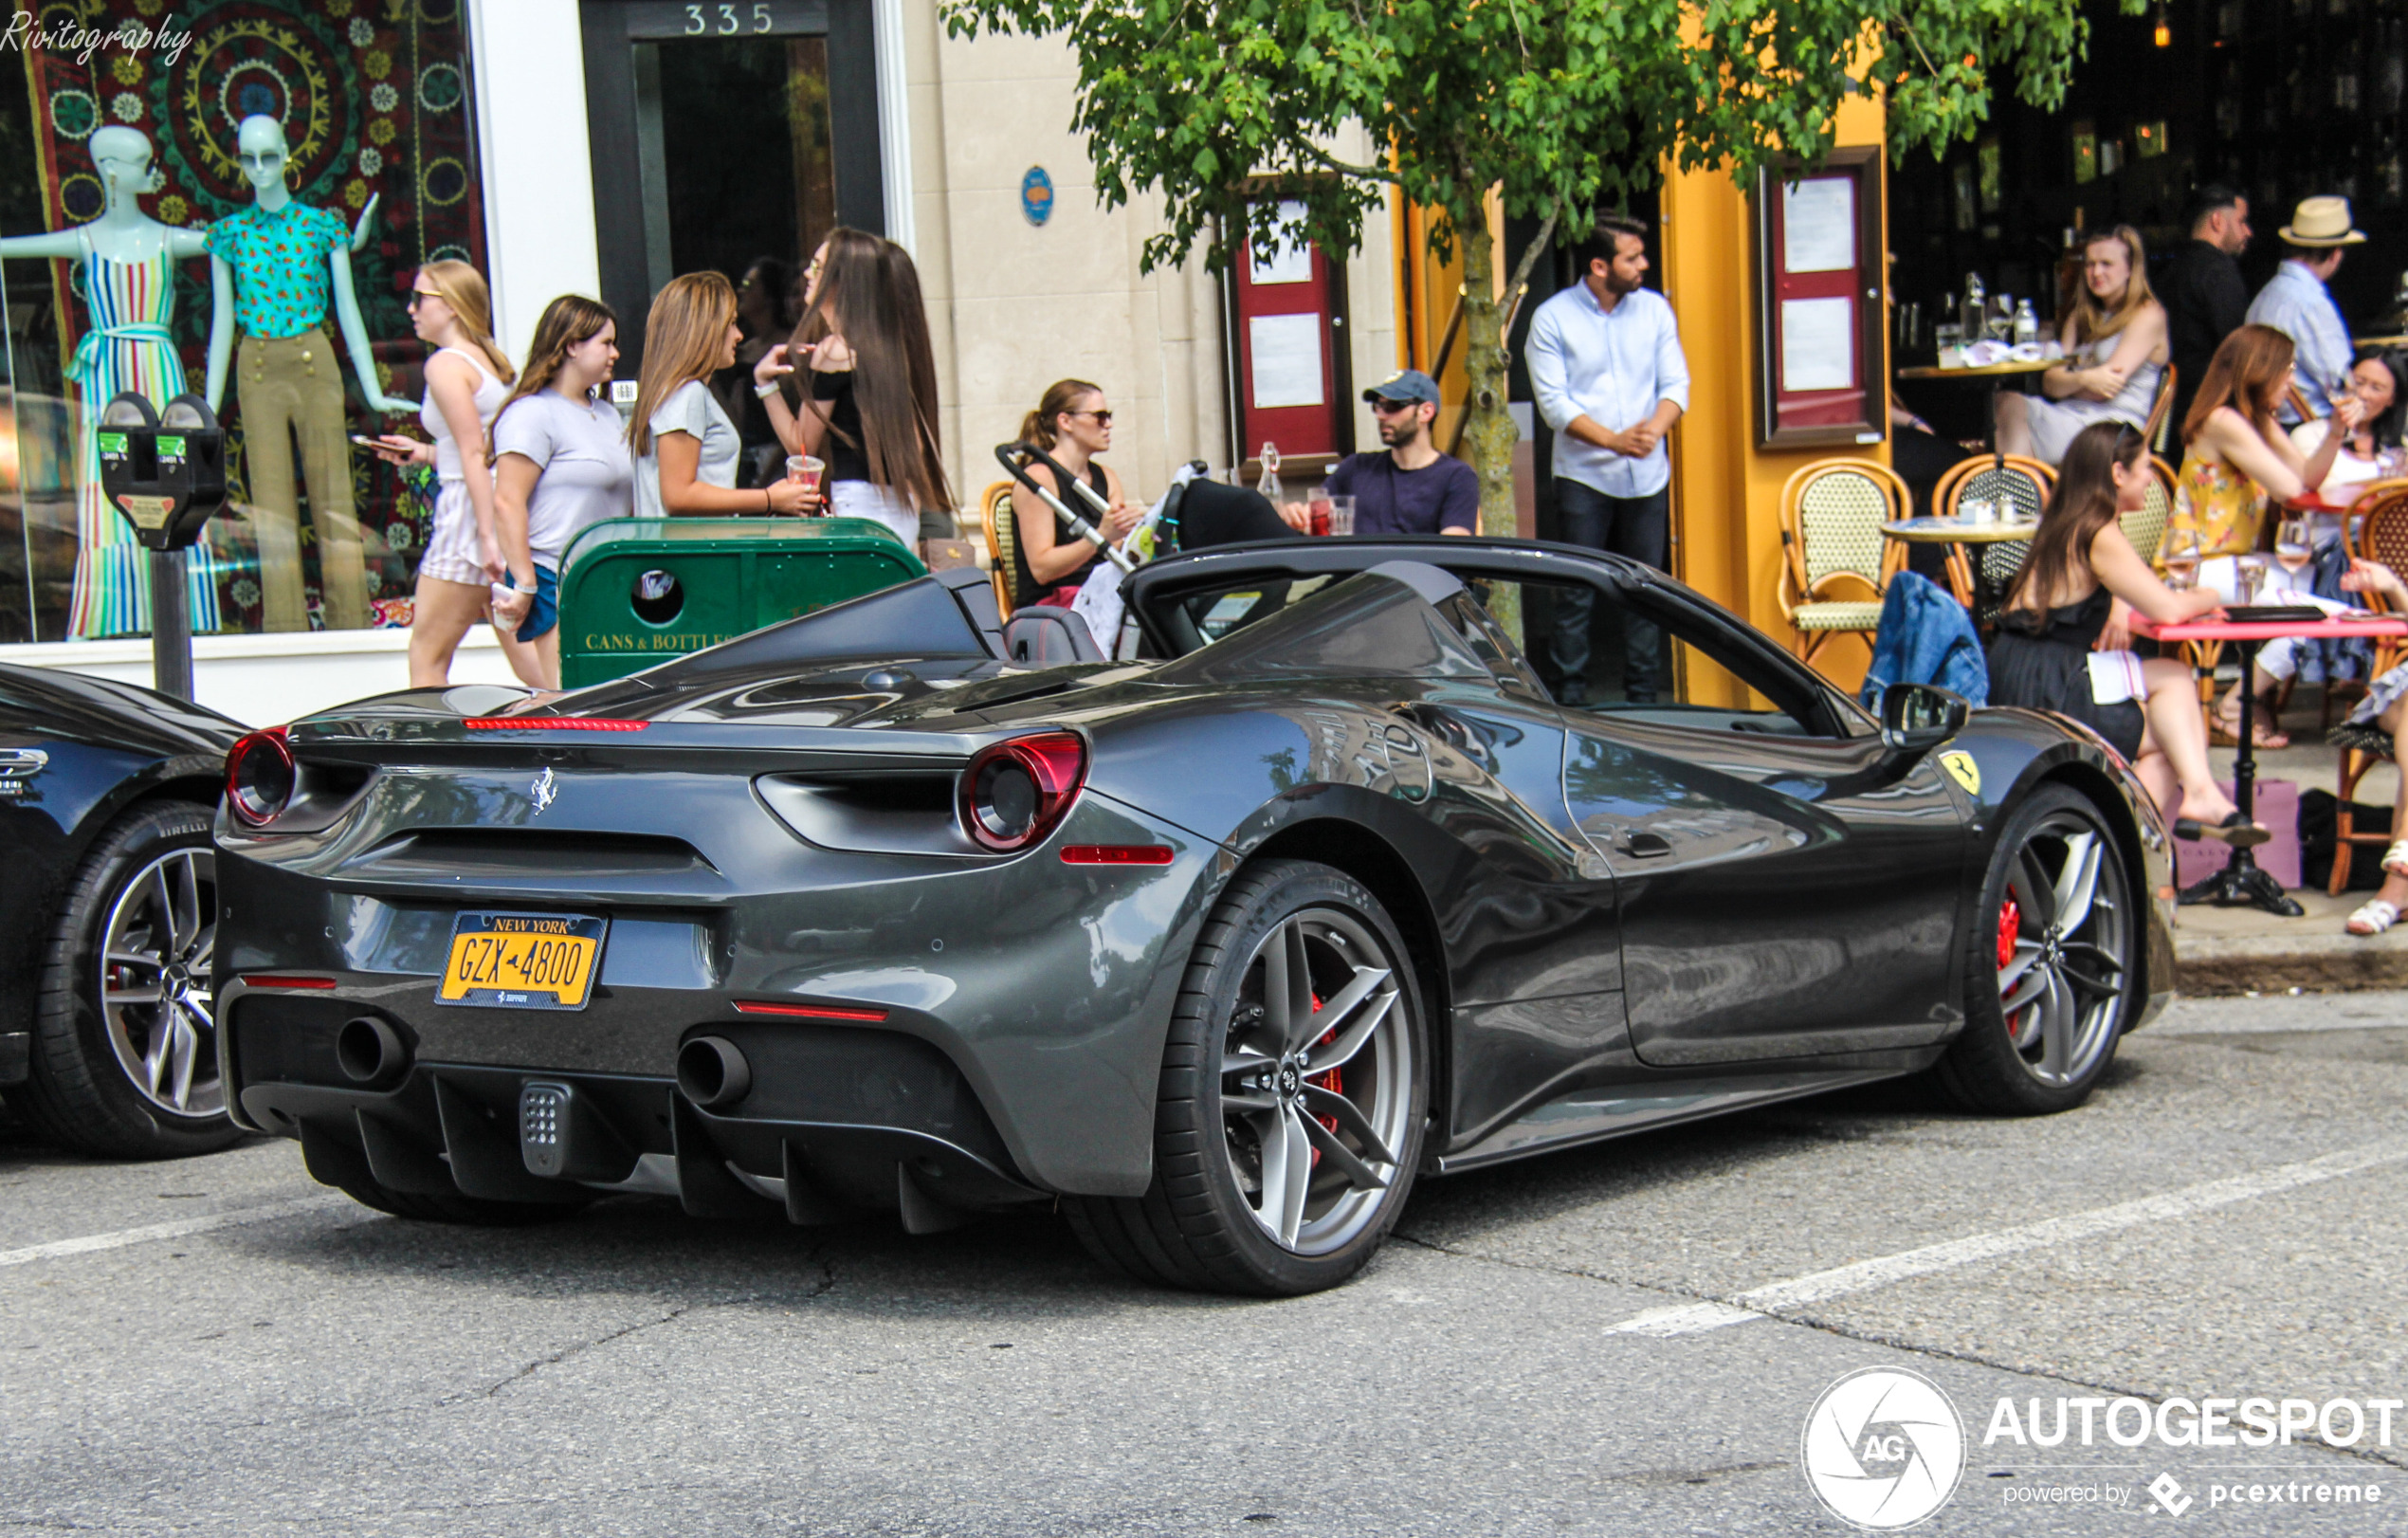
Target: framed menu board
1820, 365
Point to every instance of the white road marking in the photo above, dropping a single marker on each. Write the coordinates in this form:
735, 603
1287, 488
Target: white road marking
1763, 1302
176, 1229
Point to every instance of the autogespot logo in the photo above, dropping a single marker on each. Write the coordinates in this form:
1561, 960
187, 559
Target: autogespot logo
1883, 1448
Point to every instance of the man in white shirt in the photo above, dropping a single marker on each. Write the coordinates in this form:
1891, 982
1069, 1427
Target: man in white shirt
1607, 370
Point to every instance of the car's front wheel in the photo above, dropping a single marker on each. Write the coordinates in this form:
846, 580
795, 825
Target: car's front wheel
1294, 1089
125, 1030
2052, 968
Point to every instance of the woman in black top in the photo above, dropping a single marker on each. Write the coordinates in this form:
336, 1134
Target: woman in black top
2079, 563
1072, 423
871, 408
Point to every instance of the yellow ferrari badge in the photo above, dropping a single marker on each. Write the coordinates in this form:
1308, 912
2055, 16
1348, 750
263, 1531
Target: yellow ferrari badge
1964, 771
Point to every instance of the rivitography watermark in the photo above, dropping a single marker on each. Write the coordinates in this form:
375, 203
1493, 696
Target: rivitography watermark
24, 31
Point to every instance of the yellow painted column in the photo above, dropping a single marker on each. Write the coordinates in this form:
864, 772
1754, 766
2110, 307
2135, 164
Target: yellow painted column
1726, 491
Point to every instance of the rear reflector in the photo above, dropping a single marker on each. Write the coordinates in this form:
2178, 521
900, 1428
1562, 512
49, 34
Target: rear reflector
280, 979
808, 1012
1116, 854
552, 723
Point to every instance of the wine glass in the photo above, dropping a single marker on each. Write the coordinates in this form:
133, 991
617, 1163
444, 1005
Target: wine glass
2180, 557
2293, 548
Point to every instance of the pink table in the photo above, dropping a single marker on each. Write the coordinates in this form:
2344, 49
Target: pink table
2241, 882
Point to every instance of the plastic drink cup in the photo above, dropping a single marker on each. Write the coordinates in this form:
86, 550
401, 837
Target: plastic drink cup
805, 468
1341, 515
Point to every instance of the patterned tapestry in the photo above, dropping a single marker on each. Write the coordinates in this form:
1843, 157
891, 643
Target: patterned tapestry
373, 96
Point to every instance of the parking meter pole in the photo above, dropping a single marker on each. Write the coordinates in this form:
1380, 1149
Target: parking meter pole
170, 626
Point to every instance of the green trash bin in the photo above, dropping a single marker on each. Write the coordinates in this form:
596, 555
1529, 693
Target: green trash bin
635, 592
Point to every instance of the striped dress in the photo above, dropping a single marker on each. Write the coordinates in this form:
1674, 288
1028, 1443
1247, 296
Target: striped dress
128, 347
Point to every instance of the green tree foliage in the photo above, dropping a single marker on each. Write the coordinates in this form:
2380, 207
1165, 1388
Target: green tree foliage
1558, 105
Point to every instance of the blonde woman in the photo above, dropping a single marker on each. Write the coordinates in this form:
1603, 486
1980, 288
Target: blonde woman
560, 466
466, 376
2115, 353
685, 447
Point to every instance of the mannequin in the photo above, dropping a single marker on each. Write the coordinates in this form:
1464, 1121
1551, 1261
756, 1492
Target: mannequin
129, 273
274, 268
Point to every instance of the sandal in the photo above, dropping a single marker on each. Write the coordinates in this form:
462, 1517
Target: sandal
2372, 918
2224, 726
2233, 832
2396, 858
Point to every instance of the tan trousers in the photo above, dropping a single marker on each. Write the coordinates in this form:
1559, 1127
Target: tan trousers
289, 387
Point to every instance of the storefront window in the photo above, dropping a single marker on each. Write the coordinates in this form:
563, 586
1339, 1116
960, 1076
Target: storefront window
372, 99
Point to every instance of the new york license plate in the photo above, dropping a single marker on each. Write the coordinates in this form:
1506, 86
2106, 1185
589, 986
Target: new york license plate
521, 960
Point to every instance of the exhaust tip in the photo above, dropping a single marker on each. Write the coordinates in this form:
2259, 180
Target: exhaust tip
370, 1051
711, 1071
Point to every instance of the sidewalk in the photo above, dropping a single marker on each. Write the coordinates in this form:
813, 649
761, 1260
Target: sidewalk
2236, 950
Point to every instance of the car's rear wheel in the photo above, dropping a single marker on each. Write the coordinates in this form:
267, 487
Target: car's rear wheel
1294, 1089
124, 1061
2052, 968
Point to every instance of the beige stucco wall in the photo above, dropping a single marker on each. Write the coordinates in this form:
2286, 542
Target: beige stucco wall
1013, 307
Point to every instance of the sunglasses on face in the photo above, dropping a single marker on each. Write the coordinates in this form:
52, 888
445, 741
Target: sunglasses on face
1392, 408
1102, 419
417, 294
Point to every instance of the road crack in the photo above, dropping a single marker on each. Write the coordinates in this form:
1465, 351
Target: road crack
2391, 1458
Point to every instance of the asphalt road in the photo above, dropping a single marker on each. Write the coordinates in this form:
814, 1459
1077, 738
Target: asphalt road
1623, 1340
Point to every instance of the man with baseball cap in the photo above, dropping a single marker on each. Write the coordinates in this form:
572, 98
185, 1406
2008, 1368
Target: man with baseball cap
2296, 302
1412, 487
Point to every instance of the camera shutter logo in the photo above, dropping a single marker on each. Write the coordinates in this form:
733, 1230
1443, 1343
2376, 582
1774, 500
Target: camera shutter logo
1883, 1448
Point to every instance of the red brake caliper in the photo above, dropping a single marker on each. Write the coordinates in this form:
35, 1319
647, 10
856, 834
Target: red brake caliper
1328, 1081
2010, 928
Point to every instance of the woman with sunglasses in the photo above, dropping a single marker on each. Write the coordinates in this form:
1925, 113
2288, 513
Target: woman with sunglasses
1049, 563
466, 377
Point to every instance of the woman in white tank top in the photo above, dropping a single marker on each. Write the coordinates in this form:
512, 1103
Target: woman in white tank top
466, 378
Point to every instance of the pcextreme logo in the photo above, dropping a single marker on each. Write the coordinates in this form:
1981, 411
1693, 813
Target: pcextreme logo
1883, 1448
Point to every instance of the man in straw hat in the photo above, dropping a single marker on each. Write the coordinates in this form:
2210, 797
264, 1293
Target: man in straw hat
2296, 302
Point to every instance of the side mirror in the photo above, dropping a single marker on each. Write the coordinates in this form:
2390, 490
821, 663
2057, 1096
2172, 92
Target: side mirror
1916, 717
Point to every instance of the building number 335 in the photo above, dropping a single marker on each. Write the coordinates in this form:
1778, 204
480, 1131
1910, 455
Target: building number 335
725, 20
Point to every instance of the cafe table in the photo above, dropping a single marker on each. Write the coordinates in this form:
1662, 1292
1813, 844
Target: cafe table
1988, 374
2241, 882
1963, 531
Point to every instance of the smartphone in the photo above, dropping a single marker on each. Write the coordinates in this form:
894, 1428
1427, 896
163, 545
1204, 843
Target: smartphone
365, 442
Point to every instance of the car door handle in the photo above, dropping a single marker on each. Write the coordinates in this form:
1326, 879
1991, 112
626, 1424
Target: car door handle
1646, 846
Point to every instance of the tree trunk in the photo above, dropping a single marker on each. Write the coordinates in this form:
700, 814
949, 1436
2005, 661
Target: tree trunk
1489, 434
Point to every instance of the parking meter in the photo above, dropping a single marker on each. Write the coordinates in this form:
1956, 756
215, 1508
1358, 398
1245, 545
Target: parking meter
165, 472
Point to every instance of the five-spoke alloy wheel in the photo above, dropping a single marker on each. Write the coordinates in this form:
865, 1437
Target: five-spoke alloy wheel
2050, 979
1294, 1091
124, 1058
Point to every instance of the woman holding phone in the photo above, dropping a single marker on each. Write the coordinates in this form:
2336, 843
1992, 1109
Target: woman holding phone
466, 376
560, 466
870, 407
685, 446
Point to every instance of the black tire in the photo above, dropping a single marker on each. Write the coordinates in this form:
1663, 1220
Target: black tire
2086, 975
1197, 1226
81, 1092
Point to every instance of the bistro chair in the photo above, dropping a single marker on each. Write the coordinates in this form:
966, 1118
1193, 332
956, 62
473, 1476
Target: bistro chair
2153, 433
1832, 514
2383, 536
2024, 485
2144, 526
1003, 542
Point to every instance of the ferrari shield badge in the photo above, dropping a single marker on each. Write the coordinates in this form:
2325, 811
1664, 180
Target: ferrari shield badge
1964, 771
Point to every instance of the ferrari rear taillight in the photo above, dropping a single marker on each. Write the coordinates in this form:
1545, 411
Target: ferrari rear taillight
260, 778
1016, 792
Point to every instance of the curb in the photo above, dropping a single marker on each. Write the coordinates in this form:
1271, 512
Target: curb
2228, 965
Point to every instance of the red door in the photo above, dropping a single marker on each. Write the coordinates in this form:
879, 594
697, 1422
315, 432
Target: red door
1287, 363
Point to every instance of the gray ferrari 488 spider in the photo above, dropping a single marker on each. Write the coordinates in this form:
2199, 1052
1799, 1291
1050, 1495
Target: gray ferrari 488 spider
1219, 946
